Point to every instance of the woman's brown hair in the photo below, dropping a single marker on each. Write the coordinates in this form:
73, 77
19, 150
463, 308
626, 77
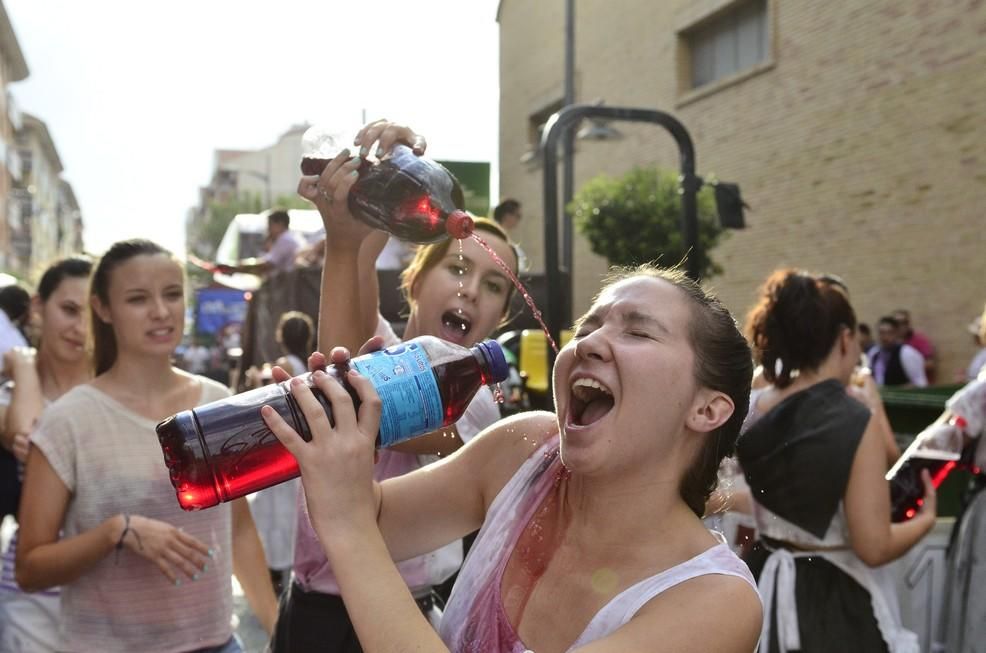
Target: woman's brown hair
103, 339
796, 322
428, 256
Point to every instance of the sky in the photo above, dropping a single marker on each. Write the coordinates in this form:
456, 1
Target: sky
138, 95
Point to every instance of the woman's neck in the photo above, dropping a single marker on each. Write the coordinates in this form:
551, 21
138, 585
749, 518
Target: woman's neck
150, 375
58, 377
613, 506
829, 369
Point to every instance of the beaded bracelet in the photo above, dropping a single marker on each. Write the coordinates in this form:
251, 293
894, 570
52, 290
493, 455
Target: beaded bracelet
123, 535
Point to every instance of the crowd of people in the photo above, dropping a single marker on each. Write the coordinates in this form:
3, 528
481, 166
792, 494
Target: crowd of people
585, 528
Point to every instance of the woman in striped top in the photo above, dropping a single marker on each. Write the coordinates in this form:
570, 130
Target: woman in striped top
138, 573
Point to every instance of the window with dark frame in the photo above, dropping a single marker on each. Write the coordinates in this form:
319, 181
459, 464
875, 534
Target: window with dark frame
535, 128
729, 43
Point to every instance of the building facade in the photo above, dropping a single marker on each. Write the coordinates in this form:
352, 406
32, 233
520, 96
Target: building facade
36, 215
269, 173
854, 130
13, 68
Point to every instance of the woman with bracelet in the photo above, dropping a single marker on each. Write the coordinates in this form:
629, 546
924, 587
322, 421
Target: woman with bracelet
138, 573
29, 622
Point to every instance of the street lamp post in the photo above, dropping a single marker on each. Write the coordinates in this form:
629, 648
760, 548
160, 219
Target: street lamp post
563, 123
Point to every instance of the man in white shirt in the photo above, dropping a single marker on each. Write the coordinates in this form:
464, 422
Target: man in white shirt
279, 257
894, 363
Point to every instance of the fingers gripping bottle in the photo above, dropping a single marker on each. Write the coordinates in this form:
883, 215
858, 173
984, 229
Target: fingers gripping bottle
937, 449
941, 448
414, 198
224, 450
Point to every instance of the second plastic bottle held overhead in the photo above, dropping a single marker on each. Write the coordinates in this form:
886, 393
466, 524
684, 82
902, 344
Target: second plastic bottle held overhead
414, 198
224, 450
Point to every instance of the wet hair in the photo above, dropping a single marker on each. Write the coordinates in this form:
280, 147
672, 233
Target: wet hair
722, 363
15, 302
73, 267
280, 216
796, 321
103, 339
505, 208
295, 332
428, 256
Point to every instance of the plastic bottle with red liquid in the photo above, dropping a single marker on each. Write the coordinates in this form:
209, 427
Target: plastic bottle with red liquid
223, 450
940, 450
415, 199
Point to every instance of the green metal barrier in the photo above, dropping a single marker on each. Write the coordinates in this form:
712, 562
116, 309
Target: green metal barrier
910, 410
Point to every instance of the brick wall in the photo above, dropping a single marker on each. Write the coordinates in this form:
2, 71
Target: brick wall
857, 144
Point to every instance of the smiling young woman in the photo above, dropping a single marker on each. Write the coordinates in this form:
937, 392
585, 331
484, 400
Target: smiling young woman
29, 621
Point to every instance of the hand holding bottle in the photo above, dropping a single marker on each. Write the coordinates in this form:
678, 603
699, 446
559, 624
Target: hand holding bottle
863, 386
928, 505
329, 191
327, 181
337, 463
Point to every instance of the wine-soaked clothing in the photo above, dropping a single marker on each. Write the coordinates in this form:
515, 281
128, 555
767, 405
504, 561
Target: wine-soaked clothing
476, 620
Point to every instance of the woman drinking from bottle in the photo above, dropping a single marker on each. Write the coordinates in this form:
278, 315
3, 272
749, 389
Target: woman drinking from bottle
29, 621
99, 513
815, 458
591, 535
459, 298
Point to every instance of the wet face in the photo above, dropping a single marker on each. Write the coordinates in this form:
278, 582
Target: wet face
146, 305
627, 377
463, 297
63, 324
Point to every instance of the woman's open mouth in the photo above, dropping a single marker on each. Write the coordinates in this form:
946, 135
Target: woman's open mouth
590, 402
456, 324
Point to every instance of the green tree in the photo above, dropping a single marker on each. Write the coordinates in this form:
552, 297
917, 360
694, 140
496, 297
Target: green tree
637, 219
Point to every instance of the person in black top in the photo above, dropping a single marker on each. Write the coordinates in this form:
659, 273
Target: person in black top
814, 457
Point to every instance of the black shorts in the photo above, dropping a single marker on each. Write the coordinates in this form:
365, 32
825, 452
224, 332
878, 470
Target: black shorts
313, 622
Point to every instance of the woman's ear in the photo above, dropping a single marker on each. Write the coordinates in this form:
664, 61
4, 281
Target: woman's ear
845, 339
101, 310
710, 410
36, 306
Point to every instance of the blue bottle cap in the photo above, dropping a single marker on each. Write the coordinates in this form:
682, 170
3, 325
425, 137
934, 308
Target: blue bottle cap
495, 359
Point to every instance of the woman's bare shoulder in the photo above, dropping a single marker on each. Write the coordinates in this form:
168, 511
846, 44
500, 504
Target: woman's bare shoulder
713, 612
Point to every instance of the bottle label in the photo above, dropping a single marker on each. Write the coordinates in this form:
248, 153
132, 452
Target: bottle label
412, 404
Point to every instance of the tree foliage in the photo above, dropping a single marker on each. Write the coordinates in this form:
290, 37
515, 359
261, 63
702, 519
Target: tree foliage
637, 219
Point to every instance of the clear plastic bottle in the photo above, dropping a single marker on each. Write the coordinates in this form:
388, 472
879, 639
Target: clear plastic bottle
224, 450
414, 198
938, 449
